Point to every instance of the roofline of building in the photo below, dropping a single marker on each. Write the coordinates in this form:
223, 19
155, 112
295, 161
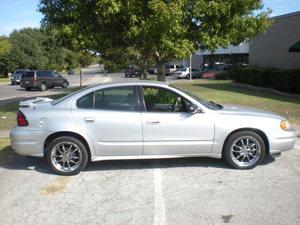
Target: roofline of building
286, 15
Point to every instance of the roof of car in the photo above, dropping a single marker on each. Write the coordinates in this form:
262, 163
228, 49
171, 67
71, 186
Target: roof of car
136, 82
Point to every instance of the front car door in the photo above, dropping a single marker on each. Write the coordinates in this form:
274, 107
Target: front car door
111, 118
169, 129
57, 79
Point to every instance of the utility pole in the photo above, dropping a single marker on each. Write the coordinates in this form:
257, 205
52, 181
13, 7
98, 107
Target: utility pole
80, 76
190, 67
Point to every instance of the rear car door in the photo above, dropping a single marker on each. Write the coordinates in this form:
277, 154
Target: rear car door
111, 118
169, 129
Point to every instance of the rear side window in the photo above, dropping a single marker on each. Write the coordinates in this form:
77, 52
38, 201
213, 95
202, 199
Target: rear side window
44, 74
115, 99
118, 98
28, 74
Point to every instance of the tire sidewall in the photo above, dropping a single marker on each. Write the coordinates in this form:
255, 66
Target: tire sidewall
45, 87
81, 146
233, 137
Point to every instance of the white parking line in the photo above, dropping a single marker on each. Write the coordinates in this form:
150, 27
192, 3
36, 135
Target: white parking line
159, 214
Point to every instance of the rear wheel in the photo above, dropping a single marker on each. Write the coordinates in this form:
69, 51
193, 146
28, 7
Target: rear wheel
244, 150
188, 76
67, 155
43, 87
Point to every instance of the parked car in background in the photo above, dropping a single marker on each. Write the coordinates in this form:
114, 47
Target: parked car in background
145, 120
185, 73
43, 79
133, 71
152, 70
182, 73
16, 76
171, 68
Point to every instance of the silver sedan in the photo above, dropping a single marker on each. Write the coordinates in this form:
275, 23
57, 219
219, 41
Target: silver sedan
145, 120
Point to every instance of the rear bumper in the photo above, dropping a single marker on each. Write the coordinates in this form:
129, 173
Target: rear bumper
283, 143
28, 142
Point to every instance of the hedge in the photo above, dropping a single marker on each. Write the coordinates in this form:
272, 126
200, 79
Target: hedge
284, 80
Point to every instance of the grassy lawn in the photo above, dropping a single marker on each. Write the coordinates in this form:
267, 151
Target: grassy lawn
5, 149
221, 91
4, 80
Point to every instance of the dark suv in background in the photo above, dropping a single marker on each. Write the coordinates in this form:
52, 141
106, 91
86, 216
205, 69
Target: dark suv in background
17, 75
42, 79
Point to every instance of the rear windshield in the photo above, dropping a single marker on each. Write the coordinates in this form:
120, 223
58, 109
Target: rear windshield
28, 74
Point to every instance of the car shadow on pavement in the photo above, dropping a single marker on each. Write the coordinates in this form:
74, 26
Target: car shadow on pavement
11, 161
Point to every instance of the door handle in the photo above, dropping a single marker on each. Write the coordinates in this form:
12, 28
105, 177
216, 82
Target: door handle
153, 122
89, 119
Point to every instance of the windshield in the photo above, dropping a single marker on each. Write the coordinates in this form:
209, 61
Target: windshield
183, 69
207, 104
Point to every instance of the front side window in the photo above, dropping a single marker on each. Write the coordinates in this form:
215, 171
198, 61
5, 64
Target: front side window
163, 100
116, 99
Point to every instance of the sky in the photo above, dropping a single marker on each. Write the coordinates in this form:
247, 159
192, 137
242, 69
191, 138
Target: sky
16, 14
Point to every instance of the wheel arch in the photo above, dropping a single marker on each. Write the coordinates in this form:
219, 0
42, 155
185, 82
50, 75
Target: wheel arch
55, 135
257, 131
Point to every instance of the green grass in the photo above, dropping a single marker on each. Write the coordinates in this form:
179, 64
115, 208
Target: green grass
8, 112
221, 91
5, 149
4, 80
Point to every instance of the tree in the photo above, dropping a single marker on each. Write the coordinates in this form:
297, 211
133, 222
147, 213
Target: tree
157, 29
5, 45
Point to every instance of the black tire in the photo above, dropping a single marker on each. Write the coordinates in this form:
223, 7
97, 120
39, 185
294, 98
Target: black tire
188, 76
43, 86
65, 84
27, 89
231, 153
12, 83
74, 141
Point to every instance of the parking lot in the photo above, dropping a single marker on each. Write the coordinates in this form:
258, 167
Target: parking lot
172, 191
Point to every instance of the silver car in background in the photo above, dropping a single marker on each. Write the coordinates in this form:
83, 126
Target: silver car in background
145, 120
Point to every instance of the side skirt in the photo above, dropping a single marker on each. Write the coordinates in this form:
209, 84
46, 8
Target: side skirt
102, 158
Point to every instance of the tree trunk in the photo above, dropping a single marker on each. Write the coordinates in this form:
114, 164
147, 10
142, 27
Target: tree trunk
161, 76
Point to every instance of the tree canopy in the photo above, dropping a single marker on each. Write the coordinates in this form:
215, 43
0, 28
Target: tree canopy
34, 48
161, 30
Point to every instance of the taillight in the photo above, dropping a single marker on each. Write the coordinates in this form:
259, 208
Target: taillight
21, 119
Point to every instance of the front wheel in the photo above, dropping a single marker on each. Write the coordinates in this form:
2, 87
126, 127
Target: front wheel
65, 84
244, 150
67, 155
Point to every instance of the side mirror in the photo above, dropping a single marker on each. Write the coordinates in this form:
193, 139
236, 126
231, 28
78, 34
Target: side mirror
192, 108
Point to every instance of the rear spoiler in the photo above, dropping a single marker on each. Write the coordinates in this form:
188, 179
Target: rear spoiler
31, 103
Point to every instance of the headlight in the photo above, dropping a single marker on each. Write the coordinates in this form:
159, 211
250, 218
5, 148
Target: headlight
285, 125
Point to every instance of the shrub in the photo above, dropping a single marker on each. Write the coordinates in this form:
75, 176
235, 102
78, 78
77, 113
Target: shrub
286, 80
222, 76
253, 75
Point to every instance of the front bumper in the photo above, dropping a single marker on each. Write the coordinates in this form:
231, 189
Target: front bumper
28, 142
283, 142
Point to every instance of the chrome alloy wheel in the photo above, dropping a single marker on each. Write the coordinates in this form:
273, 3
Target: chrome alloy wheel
245, 151
66, 156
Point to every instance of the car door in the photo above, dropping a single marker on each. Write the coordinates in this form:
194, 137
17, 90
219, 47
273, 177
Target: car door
111, 118
57, 79
169, 129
